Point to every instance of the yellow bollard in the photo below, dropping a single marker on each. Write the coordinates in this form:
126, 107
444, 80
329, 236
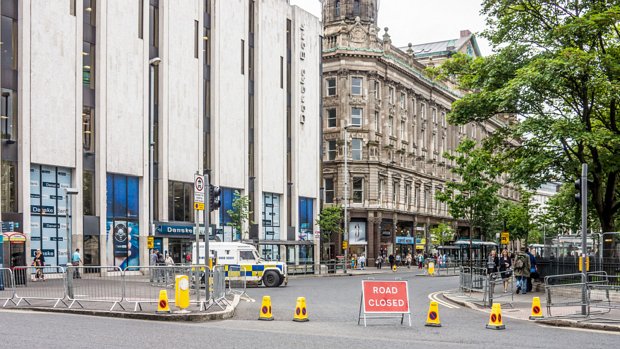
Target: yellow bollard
495, 320
181, 291
265, 309
394, 267
162, 305
536, 309
301, 314
432, 319
431, 268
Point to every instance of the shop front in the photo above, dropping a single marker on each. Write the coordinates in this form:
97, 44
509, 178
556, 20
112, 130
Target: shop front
404, 245
176, 239
358, 242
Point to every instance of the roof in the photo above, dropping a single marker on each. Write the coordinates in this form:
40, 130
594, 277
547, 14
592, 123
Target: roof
444, 47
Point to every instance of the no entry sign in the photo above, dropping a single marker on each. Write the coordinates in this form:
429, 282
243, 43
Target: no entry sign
384, 297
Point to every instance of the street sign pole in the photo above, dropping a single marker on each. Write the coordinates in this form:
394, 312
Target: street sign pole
199, 200
584, 237
207, 212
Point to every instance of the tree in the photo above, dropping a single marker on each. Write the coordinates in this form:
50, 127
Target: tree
442, 233
557, 67
474, 196
330, 222
240, 213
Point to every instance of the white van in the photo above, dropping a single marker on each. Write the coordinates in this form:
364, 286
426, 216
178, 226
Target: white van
246, 258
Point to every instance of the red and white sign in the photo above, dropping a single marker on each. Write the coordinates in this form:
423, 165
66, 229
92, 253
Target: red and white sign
385, 296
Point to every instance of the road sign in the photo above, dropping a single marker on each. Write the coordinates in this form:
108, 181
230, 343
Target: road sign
345, 245
150, 242
505, 238
199, 206
199, 190
385, 297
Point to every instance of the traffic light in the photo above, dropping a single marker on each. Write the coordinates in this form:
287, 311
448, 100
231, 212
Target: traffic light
214, 198
578, 188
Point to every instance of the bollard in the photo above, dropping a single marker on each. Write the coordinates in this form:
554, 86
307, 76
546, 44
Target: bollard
181, 292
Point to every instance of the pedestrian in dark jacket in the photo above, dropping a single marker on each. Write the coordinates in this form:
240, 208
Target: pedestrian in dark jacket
391, 260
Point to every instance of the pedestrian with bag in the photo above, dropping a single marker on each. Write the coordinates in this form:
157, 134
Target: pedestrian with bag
533, 271
504, 268
522, 270
378, 261
76, 259
391, 261
39, 263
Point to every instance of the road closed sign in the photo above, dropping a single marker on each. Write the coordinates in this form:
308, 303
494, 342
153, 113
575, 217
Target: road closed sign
385, 296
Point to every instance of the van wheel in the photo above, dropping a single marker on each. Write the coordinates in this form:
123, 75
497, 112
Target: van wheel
271, 279
281, 277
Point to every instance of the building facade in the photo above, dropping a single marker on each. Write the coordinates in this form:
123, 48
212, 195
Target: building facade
126, 100
396, 135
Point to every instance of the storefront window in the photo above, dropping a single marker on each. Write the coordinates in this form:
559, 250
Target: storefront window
271, 216
306, 219
122, 225
9, 186
227, 197
180, 202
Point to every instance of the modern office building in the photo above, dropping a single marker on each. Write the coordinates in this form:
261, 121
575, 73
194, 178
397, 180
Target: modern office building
125, 100
379, 105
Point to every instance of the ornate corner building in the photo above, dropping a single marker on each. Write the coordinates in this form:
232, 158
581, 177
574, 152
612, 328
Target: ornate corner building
396, 132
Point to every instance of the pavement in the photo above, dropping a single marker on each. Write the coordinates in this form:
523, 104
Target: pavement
519, 306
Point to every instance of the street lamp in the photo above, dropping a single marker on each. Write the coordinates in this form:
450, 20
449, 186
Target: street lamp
346, 193
152, 64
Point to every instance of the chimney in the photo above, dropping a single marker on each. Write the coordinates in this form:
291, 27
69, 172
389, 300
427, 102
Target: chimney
465, 33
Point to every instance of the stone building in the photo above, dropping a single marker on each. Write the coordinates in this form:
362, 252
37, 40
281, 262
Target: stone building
396, 134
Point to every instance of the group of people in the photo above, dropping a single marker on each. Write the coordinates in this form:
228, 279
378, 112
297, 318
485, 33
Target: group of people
39, 263
410, 260
523, 265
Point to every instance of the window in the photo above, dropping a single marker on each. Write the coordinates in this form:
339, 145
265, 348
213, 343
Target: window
331, 117
377, 89
140, 19
434, 115
123, 209
356, 149
337, 8
395, 190
416, 198
72, 7
306, 219
180, 201
403, 99
392, 95
329, 190
242, 57
443, 119
402, 130
88, 65
9, 43
90, 16
8, 115
154, 26
227, 196
415, 107
88, 193
391, 126
356, 86
356, 8
356, 117
380, 191
9, 186
281, 72
407, 195
358, 190
88, 129
423, 111
271, 216
377, 121
196, 39
246, 255
331, 150
331, 86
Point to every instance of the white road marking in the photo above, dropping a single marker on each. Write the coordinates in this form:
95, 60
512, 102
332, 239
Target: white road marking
435, 297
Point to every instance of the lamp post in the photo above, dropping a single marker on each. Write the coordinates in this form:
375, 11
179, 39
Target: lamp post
152, 64
68, 216
346, 194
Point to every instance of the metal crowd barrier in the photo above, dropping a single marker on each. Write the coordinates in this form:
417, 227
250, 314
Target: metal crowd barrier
39, 283
142, 284
448, 268
100, 285
218, 296
604, 292
7, 287
237, 280
565, 292
496, 280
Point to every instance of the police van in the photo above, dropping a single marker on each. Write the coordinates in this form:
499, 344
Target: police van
241, 259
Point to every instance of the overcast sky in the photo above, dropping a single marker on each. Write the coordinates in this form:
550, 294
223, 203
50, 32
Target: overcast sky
422, 21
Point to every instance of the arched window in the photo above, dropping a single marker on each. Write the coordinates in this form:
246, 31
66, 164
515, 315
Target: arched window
356, 8
337, 8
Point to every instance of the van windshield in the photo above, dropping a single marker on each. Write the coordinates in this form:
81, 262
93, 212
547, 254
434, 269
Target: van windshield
247, 256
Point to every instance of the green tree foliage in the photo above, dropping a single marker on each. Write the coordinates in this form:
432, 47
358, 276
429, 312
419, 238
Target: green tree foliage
442, 233
240, 213
557, 67
474, 197
330, 221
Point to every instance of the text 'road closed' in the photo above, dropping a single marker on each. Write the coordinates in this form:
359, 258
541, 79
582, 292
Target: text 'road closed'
385, 296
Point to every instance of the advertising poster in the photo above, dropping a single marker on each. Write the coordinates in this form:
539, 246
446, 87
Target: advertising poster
357, 233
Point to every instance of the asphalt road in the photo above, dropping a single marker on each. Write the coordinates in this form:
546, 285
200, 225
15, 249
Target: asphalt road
333, 305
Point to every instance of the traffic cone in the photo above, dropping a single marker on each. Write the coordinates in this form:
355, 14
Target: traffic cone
432, 319
162, 306
536, 310
265, 309
495, 320
301, 314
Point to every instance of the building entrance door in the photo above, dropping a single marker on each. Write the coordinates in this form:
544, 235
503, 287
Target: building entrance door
179, 248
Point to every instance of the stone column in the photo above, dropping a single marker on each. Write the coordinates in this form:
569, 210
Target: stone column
370, 239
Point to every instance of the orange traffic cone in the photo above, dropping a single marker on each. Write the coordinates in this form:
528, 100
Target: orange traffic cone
301, 314
536, 310
162, 304
495, 320
265, 309
432, 319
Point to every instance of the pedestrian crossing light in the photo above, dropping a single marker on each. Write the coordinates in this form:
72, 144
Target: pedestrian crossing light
578, 189
214, 198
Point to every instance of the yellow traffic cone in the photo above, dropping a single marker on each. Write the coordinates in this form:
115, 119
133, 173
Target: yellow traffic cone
536, 309
495, 320
301, 314
432, 319
162, 305
265, 309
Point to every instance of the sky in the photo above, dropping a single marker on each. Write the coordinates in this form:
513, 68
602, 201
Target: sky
422, 21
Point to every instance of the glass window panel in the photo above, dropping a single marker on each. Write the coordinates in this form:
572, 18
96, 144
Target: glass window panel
356, 116
331, 117
356, 86
358, 190
133, 197
329, 190
356, 145
120, 196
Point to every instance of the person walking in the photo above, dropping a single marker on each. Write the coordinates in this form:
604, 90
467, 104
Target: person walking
361, 261
504, 268
39, 263
420, 261
522, 270
169, 260
378, 261
492, 263
398, 260
408, 260
391, 261
533, 270
76, 259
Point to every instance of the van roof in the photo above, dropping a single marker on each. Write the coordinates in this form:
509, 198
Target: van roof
215, 244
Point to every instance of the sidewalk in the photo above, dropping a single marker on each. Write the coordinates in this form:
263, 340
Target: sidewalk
519, 307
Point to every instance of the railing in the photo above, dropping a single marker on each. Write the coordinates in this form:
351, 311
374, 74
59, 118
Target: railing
293, 269
7, 287
39, 284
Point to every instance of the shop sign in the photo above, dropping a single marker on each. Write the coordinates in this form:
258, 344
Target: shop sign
175, 230
405, 240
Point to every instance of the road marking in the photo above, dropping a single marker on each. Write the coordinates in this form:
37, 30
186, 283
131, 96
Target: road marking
435, 297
